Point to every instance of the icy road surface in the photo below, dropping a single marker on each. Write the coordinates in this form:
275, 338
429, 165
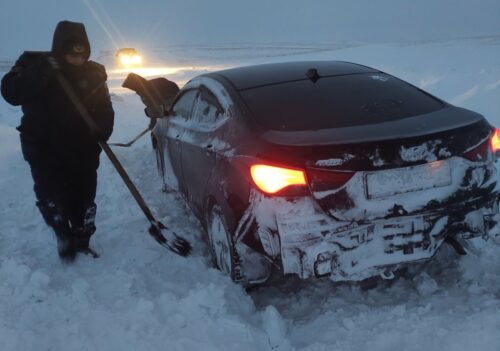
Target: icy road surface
138, 296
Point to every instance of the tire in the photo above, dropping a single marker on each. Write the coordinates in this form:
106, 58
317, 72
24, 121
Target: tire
221, 242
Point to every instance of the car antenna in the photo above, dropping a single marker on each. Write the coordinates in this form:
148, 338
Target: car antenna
313, 75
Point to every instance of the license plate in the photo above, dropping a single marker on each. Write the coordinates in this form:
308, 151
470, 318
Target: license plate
409, 179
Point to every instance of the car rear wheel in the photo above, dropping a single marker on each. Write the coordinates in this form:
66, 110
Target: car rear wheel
220, 242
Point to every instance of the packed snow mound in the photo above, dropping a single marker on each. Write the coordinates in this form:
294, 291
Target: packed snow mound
138, 296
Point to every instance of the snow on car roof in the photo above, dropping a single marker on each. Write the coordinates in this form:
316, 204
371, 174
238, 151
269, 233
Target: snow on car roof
259, 75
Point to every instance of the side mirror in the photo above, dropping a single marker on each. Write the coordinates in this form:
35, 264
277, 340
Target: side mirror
157, 111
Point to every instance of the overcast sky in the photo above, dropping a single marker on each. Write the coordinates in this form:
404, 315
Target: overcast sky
28, 24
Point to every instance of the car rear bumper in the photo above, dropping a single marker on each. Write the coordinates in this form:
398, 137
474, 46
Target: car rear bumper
360, 251
309, 243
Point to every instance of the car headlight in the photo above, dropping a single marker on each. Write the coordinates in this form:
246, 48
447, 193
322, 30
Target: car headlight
136, 60
125, 60
128, 60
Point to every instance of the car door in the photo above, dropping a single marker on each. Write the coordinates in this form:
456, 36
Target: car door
179, 117
200, 143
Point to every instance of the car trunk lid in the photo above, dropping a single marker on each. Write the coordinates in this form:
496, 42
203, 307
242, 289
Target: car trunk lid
395, 177
371, 173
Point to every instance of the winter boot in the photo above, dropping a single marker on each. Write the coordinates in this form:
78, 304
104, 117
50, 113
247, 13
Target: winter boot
82, 238
66, 246
83, 234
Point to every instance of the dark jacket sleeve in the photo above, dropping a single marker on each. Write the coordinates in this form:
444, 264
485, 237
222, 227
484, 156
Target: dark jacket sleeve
102, 109
25, 80
104, 115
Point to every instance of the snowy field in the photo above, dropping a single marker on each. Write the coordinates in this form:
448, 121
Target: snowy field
138, 296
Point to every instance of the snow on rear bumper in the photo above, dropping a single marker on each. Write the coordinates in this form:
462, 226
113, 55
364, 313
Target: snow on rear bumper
361, 251
310, 243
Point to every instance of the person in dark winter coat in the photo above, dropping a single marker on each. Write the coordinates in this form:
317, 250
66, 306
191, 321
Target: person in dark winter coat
63, 153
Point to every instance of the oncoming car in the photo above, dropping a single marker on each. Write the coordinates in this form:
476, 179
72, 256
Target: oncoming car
327, 169
128, 57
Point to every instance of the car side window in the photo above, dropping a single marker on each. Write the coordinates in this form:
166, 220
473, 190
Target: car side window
208, 110
184, 104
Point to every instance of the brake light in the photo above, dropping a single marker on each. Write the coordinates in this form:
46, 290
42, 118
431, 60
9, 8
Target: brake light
495, 140
478, 153
271, 179
324, 180
481, 151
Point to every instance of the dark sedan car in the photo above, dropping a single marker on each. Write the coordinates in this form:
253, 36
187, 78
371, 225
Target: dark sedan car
327, 169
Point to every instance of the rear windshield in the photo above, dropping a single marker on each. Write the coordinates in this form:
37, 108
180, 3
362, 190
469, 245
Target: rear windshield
334, 102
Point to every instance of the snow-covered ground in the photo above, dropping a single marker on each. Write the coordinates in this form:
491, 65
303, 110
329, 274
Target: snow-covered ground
138, 296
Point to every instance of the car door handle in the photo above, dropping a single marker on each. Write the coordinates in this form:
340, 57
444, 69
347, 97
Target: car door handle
209, 146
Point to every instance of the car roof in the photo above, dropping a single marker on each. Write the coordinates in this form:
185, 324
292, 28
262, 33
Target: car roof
255, 76
126, 50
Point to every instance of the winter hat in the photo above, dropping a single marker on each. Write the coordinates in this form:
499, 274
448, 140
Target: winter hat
70, 38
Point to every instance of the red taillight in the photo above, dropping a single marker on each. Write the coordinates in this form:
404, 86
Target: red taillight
495, 141
481, 152
272, 179
323, 180
478, 153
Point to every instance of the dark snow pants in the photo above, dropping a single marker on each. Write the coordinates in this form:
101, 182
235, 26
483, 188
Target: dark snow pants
64, 190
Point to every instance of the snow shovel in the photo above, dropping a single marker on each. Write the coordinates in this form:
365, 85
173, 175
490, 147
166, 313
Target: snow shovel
157, 229
141, 134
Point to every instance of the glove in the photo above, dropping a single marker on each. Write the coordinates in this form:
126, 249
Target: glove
46, 67
53, 63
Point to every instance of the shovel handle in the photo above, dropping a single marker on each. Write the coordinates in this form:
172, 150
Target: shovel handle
104, 146
178, 245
